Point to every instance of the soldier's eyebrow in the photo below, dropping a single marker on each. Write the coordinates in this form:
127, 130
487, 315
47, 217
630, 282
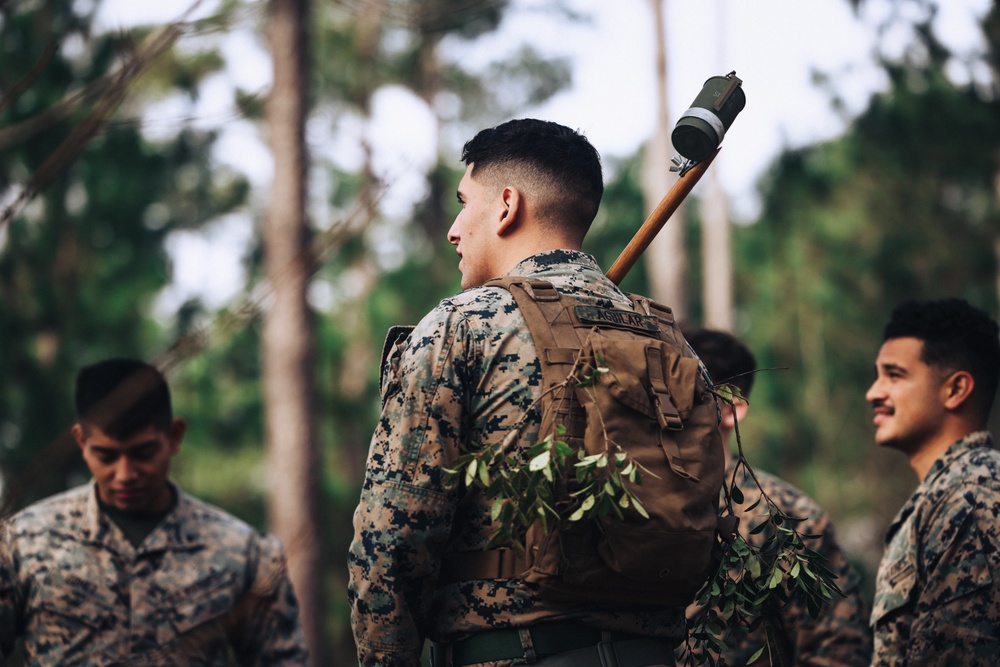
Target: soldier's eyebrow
139, 447
889, 367
101, 450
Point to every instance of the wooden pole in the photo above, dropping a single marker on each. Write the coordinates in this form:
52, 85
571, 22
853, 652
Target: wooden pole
649, 229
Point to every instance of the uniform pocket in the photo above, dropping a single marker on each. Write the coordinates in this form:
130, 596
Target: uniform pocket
67, 617
71, 612
201, 606
895, 592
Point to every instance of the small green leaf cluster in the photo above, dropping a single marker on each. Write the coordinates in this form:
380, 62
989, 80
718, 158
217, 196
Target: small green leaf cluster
595, 485
752, 584
559, 482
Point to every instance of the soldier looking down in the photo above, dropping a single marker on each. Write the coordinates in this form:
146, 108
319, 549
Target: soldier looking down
130, 570
937, 595
467, 375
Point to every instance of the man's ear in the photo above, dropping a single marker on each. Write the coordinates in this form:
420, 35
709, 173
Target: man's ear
77, 431
957, 388
513, 207
729, 419
178, 428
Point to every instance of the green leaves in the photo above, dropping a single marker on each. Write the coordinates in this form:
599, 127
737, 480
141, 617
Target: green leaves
757, 573
551, 482
598, 485
753, 582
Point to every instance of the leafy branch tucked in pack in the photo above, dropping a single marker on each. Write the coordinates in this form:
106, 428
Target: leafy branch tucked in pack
597, 485
753, 583
560, 484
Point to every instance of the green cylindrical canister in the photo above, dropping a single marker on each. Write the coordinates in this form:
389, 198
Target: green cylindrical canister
701, 128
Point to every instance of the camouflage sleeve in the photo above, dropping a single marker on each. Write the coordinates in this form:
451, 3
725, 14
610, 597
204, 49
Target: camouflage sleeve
840, 635
10, 616
957, 612
403, 520
267, 618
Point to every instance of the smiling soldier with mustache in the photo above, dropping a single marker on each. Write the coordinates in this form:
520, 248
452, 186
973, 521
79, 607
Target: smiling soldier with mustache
937, 598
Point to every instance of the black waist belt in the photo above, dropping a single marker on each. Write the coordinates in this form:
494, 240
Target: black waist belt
547, 639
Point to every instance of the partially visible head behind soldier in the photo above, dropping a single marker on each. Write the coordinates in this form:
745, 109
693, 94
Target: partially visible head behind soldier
122, 397
956, 336
727, 358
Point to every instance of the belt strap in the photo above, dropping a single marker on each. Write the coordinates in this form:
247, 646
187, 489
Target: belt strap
502, 563
547, 639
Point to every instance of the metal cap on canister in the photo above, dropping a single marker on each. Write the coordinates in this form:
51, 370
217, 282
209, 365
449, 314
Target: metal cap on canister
700, 129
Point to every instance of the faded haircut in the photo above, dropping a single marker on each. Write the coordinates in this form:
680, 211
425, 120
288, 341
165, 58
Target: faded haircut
546, 158
956, 336
122, 397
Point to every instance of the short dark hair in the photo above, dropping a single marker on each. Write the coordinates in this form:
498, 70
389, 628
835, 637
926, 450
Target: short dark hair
727, 358
956, 336
564, 157
122, 397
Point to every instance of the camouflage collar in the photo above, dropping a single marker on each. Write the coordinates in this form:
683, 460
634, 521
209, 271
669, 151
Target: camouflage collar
976, 440
544, 261
174, 533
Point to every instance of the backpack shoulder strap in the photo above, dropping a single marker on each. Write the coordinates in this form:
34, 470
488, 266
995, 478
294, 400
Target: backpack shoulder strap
545, 313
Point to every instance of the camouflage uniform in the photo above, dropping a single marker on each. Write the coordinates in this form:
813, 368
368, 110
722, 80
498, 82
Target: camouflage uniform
465, 377
839, 636
77, 592
937, 596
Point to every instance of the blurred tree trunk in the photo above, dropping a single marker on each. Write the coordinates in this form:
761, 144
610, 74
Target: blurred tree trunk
287, 336
716, 233
666, 259
717, 256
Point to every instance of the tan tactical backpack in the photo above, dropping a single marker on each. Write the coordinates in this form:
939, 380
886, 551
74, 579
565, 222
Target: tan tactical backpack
654, 401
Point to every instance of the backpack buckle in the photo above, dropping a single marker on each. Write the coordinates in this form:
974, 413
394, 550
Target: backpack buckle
666, 413
540, 290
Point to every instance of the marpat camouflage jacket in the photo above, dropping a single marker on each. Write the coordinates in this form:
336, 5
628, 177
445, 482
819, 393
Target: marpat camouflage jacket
463, 378
77, 592
937, 595
840, 635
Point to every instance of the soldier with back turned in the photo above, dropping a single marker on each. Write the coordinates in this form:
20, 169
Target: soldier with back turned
469, 375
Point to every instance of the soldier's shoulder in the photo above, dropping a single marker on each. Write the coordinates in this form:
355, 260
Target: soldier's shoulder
61, 507
480, 299
979, 466
213, 522
476, 307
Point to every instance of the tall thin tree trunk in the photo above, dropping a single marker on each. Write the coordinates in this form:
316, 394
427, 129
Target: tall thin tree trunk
287, 337
717, 256
666, 258
716, 230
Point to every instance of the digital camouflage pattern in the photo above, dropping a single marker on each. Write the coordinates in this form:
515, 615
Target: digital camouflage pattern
464, 378
840, 635
200, 584
937, 595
